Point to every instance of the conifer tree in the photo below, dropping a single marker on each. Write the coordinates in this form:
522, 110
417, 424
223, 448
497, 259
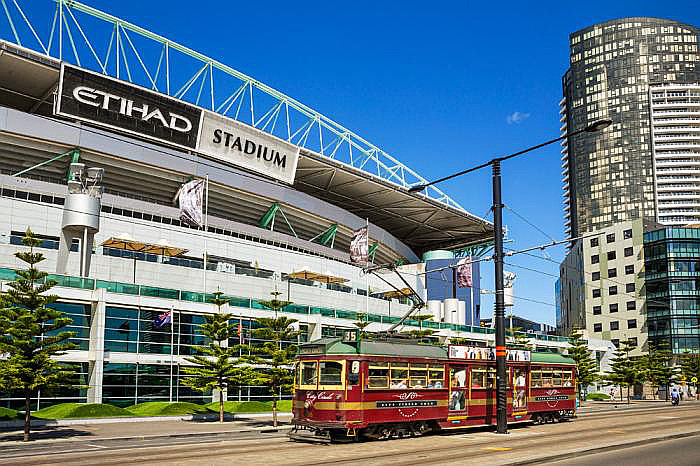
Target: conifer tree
586, 372
690, 368
624, 371
361, 323
516, 338
275, 358
655, 367
30, 332
216, 367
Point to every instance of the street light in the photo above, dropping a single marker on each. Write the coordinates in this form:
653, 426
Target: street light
499, 312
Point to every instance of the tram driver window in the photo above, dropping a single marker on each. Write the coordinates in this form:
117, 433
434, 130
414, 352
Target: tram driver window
567, 379
330, 373
478, 379
309, 372
436, 376
378, 374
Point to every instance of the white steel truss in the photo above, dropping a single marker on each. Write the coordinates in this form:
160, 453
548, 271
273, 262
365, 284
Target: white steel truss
76, 33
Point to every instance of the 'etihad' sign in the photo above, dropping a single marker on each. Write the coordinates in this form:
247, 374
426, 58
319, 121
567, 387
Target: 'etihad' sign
114, 104
242, 145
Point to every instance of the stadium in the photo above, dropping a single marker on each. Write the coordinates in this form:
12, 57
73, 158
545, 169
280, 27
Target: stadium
103, 122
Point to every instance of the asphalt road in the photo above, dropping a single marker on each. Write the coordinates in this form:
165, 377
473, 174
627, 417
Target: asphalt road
587, 439
677, 452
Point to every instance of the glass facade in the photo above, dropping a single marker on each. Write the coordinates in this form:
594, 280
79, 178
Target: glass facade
609, 177
672, 263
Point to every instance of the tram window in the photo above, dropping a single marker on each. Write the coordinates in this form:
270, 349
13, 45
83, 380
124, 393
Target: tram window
536, 379
458, 377
491, 378
399, 375
419, 375
308, 372
519, 377
436, 376
378, 374
567, 378
331, 373
556, 378
478, 379
546, 378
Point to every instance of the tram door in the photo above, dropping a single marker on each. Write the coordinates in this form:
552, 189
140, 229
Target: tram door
519, 380
459, 390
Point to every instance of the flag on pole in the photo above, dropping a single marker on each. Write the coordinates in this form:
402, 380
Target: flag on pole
191, 200
163, 319
464, 273
240, 332
359, 246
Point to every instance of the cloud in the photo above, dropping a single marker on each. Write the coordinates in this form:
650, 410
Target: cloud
517, 117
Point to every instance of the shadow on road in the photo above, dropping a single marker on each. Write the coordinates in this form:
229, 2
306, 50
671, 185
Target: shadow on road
45, 433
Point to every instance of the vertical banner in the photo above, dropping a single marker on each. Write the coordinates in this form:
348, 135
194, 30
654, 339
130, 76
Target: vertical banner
464, 273
191, 199
359, 246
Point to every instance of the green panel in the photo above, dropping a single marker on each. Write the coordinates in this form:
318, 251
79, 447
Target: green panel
192, 296
553, 358
296, 309
327, 236
7, 274
346, 315
266, 219
438, 254
159, 292
116, 287
239, 302
72, 282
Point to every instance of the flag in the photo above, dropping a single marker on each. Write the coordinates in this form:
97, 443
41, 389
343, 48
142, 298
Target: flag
163, 319
464, 273
190, 198
240, 332
359, 246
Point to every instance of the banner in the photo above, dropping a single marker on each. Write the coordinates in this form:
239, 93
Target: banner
190, 199
486, 354
247, 147
464, 273
115, 104
359, 246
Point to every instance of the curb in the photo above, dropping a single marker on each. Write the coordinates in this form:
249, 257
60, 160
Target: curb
114, 420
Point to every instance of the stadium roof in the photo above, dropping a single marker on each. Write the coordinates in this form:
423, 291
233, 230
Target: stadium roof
336, 165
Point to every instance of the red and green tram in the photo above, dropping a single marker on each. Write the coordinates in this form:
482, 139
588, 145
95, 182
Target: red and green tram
384, 389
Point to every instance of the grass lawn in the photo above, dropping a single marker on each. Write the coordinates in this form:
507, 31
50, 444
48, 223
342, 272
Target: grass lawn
80, 410
165, 408
597, 396
251, 406
7, 414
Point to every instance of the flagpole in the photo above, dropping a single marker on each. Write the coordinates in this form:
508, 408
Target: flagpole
367, 275
206, 232
172, 324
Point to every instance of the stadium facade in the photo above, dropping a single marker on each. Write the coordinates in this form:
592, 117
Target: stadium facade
93, 159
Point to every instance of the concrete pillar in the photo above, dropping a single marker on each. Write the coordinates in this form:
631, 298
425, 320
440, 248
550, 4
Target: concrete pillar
97, 346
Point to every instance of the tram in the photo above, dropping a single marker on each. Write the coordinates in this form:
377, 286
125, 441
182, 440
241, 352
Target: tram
351, 390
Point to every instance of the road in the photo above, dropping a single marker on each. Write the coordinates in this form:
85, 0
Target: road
642, 436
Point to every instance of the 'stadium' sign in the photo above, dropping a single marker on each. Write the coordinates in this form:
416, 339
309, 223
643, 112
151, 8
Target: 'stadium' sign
242, 145
114, 104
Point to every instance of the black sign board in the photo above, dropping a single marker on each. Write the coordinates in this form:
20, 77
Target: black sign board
114, 104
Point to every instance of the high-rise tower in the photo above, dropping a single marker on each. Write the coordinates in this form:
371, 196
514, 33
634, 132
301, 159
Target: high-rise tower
615, 67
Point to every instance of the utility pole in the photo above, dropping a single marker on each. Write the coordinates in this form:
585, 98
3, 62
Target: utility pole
499, 312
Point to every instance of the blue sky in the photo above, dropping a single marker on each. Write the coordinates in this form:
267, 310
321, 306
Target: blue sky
441, 86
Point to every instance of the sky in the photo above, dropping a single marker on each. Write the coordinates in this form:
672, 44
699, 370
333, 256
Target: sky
441, 86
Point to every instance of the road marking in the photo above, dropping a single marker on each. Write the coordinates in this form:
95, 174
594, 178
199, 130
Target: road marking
667, 417
94, 446
617, 431
497, 448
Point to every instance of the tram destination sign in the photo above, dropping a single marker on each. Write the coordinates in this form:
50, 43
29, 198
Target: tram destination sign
114, 104
242, 145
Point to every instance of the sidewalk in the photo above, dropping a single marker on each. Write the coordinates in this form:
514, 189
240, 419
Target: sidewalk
86, 429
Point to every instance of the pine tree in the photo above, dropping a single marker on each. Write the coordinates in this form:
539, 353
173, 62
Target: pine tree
690, 368
624, 371
586, 367
361, 323
516, 338
654, 366
30, 332
216, 367
275, 357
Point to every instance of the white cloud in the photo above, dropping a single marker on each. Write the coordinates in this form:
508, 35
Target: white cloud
517, 117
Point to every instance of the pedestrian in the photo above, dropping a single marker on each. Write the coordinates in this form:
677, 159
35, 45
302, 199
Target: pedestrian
675, 396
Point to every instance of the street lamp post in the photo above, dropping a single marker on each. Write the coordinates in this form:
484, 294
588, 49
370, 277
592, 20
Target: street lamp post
499, 311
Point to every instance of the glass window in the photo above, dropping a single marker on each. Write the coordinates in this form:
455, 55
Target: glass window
309, 371
611, 255
632, 342
631, 305
399, 375
632, 323
610, 237
595, 259
536, 379
478, 378
330, 373
556, 378
378, 374
596, 310
614, 325
612, 290
629, 252
547, 378
597, 327
627, 234
629, 269
436, 376
612, 273
594, 242
567, 379
629, 287
596, 293
418, 375
595, 276
613, 307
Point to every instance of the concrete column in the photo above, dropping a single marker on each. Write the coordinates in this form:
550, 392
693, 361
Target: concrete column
97, 345
67, 236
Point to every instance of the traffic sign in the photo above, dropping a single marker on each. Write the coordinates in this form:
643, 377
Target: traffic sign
694, 380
